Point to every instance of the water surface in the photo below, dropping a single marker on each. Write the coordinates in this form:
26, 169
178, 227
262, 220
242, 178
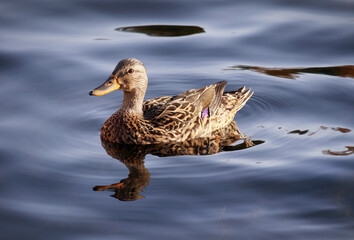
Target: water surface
298, 184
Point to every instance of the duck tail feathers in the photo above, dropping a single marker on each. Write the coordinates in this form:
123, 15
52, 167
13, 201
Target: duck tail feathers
239, 97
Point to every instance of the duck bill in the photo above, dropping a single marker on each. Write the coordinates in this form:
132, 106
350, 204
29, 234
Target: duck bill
105, 88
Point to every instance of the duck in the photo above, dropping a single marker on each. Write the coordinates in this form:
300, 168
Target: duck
197, 113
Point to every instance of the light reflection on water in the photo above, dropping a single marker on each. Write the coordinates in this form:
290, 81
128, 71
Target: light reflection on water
293, 73
294, 186
163, 30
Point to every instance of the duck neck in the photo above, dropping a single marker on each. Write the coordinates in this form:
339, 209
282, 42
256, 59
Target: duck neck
133, 102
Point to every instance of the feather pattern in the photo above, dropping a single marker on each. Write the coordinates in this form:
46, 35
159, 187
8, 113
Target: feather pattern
174, 118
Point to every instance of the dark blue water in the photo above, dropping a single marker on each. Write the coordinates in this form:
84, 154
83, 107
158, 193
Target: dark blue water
297, 56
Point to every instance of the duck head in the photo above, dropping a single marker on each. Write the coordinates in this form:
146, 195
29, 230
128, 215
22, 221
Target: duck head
129, 76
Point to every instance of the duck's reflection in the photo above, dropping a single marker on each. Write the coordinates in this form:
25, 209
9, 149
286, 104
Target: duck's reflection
133, 156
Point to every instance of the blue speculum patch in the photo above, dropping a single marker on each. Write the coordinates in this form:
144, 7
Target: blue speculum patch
205, 112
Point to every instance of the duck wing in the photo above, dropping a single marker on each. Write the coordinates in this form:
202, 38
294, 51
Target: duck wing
152, 106
175, 112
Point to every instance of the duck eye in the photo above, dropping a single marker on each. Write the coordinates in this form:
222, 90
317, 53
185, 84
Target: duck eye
131, 71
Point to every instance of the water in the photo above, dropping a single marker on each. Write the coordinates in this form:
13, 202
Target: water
298, 184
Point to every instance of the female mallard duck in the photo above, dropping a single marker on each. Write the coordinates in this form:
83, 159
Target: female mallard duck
197, 113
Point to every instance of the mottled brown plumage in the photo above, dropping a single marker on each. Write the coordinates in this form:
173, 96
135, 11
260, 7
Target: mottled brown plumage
167, 119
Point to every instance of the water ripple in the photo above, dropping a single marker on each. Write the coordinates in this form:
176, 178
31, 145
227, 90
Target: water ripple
265, 105
163, 30
293, 73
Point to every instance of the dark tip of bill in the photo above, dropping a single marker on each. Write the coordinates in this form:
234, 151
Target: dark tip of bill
90, 93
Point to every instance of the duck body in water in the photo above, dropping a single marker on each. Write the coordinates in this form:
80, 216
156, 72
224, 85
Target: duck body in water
196, 113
